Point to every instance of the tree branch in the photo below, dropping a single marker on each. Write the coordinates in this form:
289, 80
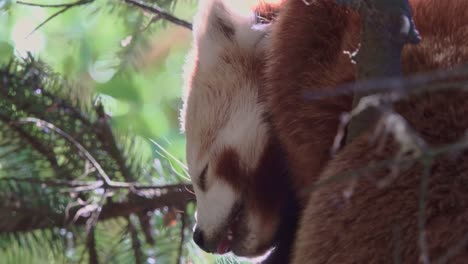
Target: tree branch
175, 196
136, 243
106, 135
146, 228
386, 25
91, 245
82, 150
182, 237
47, 152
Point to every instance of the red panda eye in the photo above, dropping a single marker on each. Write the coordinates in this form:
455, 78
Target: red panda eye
202, 179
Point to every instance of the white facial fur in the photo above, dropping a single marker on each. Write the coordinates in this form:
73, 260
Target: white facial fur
221, 109
214, 206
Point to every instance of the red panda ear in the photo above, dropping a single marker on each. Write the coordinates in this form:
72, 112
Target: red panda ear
219, 23
213, 21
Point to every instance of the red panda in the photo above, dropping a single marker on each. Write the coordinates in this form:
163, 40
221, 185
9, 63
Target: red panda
374, 225
238, 170
256, 142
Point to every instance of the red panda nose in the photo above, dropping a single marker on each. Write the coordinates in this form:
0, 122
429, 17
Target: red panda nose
199, 239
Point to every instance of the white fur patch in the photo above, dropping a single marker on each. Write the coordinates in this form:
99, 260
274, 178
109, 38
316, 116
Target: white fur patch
245, 131
214, 206
246, 134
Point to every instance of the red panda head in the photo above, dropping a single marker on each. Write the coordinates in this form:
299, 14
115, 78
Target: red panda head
236, 166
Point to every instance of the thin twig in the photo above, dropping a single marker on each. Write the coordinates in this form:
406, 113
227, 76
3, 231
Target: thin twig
416, 83
82, 150
91, 244
182, 237
93, 220
431, 153
65, 8
161, 13
53, 182
61, 11
107, 137
78, 3
36, 144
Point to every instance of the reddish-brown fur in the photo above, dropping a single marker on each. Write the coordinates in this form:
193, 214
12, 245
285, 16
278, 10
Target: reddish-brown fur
307, 55
375, 225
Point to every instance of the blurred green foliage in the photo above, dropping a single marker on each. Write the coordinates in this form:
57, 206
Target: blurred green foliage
133, 61
115, 50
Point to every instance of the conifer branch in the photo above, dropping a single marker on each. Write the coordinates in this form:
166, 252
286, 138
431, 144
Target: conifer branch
136, 243
175, 196
45, 120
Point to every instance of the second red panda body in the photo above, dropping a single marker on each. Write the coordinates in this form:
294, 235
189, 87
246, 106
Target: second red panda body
374, 225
